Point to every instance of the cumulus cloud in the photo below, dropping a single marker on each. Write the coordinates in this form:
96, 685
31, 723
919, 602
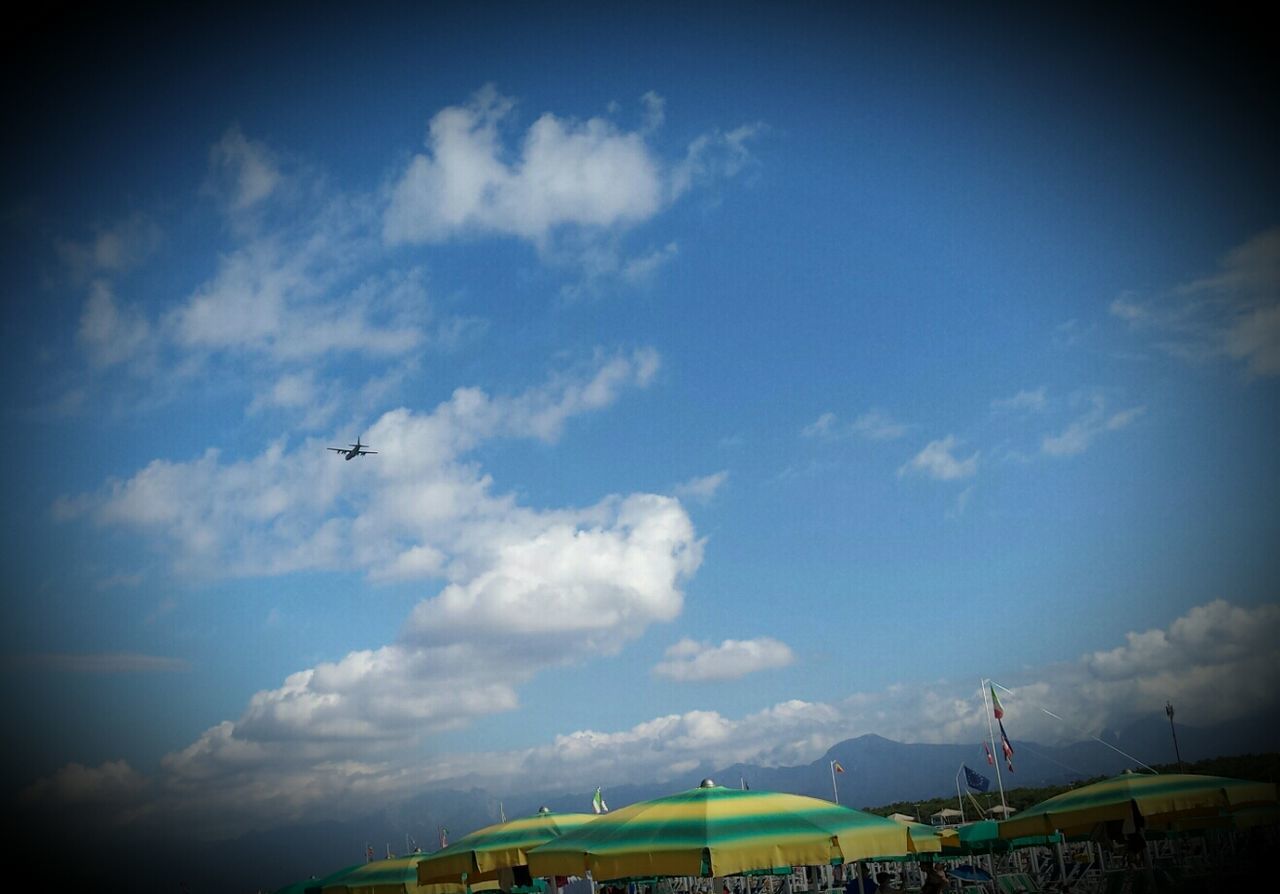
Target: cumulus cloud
689, 661
1086, 428
1232, 313
588, 174
336, 734
874, 425
280, 511
938, 461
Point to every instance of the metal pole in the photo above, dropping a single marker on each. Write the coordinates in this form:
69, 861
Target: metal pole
958, 798
991, 732
1168, 709
835, 791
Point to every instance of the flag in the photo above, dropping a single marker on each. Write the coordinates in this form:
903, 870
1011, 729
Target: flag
1008, 749
835, 765
444, 837
995, 704
976, 781
597, 803
991, 760
368, 854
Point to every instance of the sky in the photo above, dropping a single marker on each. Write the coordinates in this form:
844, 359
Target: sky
741, 380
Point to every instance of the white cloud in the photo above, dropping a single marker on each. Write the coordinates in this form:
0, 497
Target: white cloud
1030, 401
689, 661
589, 175
521, 589
1233, 313
243, 172
111, 334
586, 173
112, 250
643, 268
937, 461
288, 300
1081, 432
281, 511
337, 735
821, 427
873, 425
702, 488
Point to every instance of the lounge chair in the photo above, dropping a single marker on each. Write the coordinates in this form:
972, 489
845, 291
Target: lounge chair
1018, 883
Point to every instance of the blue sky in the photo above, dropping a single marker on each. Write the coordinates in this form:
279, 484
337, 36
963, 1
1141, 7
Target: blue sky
742, 380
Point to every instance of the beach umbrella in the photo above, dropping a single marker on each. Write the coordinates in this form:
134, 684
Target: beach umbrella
397, 875
983, 837
480, 854
925, 838
1160, 800
714, 831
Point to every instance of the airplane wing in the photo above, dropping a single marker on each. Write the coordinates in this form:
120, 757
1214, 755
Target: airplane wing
368, 451
336, 449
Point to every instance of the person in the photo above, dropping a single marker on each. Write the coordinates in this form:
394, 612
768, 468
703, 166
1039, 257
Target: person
935, 879
884, 882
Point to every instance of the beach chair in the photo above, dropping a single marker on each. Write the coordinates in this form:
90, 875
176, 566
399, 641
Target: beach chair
1018, 883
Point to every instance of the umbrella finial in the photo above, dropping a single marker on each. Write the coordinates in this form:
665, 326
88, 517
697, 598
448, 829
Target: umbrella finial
707, 783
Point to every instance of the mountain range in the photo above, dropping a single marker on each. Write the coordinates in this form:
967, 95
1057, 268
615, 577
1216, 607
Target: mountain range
877, 771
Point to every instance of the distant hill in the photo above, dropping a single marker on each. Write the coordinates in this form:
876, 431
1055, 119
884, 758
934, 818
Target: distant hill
878, 771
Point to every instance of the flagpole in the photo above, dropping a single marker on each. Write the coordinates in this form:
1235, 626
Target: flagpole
835, 791
1108, 744
959, 799
991, 732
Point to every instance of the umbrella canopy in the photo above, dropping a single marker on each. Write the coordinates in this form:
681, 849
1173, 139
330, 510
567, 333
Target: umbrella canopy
500, 846
983, 837
399, 875
1161, 800
713, 830
925, 838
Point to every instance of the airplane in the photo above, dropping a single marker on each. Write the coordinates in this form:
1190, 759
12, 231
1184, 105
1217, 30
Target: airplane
357, 449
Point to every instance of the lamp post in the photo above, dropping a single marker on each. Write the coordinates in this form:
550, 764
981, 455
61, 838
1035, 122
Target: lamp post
1168, 709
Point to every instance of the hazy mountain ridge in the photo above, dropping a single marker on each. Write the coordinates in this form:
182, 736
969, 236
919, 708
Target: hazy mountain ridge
877, 771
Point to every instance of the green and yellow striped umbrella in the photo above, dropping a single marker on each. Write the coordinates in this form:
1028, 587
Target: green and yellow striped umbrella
398, 875
927, 839
983, 837
712, 830
1161, 800
480, 854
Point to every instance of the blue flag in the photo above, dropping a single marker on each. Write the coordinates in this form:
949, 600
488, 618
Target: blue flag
976, 781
